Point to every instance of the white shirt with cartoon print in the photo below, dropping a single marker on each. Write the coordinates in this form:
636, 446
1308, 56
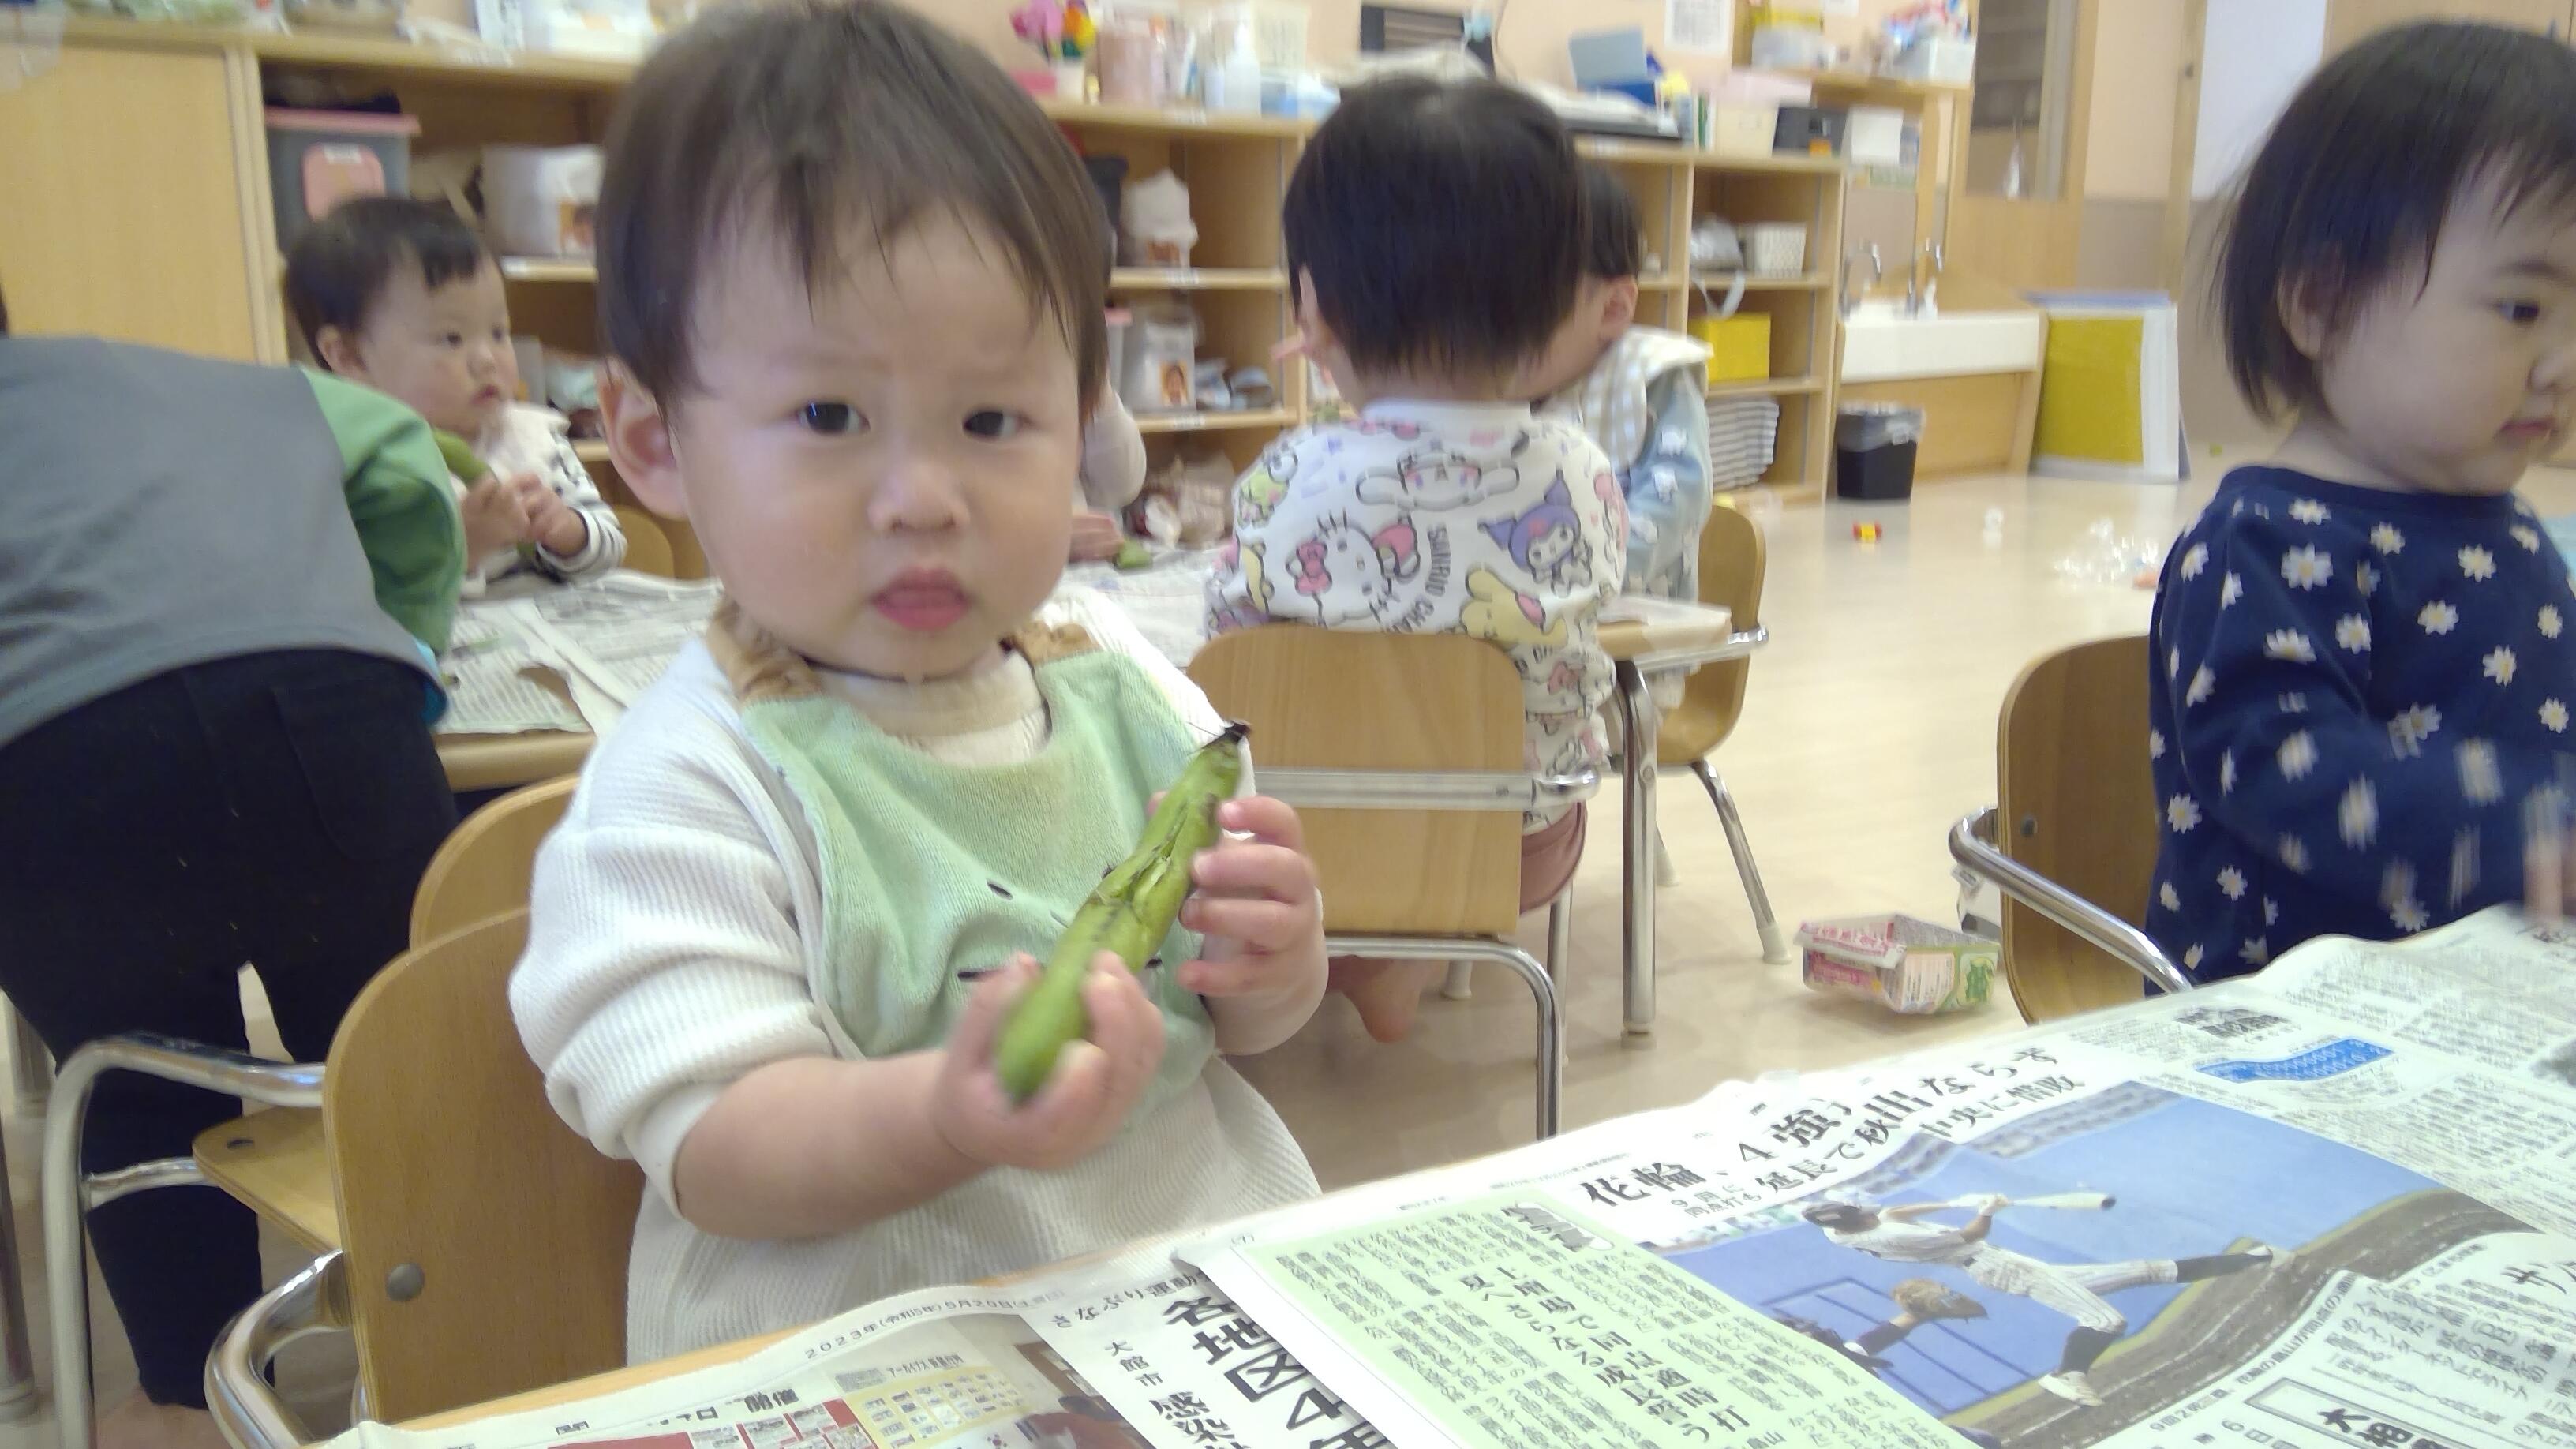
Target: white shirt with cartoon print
1443, 518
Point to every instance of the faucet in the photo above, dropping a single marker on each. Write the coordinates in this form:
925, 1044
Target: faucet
1919, 286
1877, 273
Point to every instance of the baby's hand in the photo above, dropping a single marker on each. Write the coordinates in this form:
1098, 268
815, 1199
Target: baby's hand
1255, 898
551, 522
494, 517
2548, 860
1096, 1080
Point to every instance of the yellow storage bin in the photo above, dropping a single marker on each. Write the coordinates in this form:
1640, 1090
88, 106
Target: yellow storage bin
1739, 347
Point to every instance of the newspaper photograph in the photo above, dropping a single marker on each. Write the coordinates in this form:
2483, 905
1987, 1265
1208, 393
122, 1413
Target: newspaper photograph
2089, 1267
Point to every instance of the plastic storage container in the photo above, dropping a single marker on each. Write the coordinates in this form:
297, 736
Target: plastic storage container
1874, 446
1739, 347
318, 159
539, 201
1938, 59
1773, 248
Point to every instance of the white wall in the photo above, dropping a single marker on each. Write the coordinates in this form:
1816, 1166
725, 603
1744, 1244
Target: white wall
2254, 55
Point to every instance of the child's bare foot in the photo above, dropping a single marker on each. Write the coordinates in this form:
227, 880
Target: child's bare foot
1387, 993
139, 1423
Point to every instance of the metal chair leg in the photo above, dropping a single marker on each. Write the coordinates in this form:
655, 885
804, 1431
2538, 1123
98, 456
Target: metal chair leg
17, 1366
1637, 842
1551, 1011
1775, 947
31, 1066
246, 1408
1560, 934
68, 1194
1460, 983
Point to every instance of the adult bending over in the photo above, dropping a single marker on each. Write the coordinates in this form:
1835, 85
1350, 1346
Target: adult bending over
216, 585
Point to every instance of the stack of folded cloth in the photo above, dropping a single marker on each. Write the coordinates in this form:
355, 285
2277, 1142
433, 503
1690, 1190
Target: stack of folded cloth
1741, 433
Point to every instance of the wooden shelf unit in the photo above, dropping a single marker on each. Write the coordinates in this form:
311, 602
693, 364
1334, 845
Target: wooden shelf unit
1130, 280
1877, 90
1767, 387
1267, 420
1794, 282
195, 261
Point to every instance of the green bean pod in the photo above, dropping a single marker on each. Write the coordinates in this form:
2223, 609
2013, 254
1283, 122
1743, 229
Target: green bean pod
1128, 913
459, 456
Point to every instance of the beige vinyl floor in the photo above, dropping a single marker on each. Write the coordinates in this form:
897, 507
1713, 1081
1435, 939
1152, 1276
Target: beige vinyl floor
1868, 730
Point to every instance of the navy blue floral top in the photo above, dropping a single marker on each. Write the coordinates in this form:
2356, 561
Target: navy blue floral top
2358, 696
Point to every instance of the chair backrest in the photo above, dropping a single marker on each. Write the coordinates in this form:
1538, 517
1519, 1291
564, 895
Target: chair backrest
648, 546
482, 870
1731, 565
2076, 803
1325, 699
688, 560
486, 1242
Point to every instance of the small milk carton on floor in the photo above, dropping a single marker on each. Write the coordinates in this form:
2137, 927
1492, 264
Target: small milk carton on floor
1907, 965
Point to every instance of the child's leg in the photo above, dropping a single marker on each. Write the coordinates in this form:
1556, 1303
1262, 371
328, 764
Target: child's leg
1389, 993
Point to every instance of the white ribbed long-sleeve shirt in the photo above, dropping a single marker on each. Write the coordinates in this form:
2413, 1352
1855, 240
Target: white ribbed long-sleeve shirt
675, 941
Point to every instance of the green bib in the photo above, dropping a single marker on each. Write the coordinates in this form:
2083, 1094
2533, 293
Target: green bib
932, 869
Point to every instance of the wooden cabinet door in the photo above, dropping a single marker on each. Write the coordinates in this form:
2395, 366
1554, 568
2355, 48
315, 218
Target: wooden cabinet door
122, 191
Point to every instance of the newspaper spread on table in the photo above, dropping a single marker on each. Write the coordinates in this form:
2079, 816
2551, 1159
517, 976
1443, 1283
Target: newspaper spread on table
1167, 598
604, 640
2334, 1205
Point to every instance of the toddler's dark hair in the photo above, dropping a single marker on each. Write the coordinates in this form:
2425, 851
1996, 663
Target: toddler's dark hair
805, 118
1617, 247
340, 264
2353, 185
1442, 224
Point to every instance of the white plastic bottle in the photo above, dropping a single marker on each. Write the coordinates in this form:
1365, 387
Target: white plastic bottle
1234, 84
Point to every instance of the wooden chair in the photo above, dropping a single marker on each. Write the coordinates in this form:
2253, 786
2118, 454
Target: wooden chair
483, 869
648, 544
272, 1161
2071, 841
1731, 568
485, 1242
688, 560
1412, 804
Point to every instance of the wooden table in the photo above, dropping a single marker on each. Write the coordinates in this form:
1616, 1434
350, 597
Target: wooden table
497, 762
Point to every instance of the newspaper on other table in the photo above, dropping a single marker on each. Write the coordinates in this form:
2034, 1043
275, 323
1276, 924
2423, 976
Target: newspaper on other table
605, 639
1167, 598
487, 669
2332, 1205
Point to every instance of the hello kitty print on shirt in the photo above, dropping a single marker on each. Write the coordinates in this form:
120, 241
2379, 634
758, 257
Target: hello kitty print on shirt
1461, 518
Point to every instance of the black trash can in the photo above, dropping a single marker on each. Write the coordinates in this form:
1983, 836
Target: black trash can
1874, 447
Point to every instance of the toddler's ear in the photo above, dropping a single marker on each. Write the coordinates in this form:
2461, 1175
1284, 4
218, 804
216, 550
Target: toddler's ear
339, 353
639, 439
2307, 314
